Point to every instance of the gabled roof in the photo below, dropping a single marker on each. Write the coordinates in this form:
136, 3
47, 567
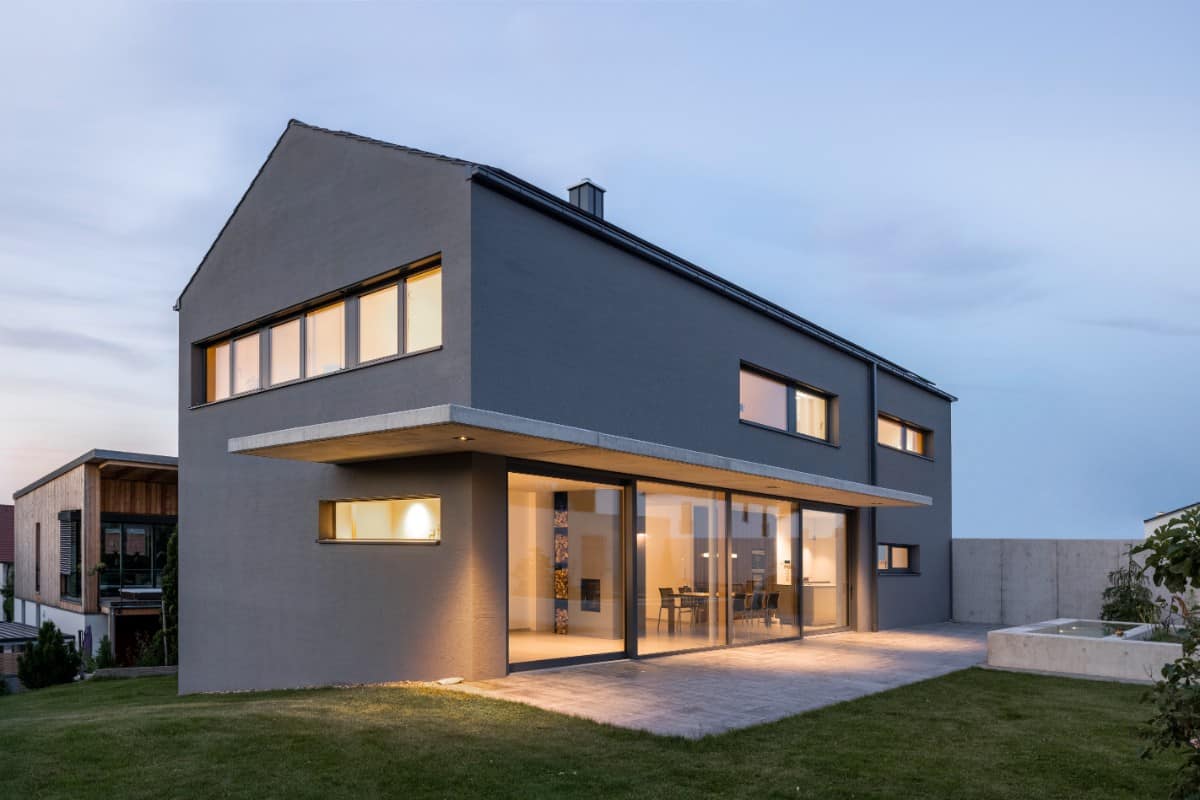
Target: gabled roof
535, 197
100, 457
1172, 513
6, 534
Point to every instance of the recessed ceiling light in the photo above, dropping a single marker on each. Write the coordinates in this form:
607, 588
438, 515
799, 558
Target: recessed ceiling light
463, 438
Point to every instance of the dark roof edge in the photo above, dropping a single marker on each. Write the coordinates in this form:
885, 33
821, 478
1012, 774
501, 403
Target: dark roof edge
96, 456
522, 190
1162, 514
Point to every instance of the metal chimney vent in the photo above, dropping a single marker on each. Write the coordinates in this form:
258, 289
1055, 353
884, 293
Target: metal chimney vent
588, 196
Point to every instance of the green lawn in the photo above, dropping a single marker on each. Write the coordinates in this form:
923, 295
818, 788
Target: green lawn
973, 734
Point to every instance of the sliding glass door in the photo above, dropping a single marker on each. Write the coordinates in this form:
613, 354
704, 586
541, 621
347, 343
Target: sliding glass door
709, 568
826, 597
565, 583
680, 561
764, 555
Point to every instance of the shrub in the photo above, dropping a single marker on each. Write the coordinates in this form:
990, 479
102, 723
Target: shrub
104, 655
1172, 552
7, 594
1128, 598
49, 660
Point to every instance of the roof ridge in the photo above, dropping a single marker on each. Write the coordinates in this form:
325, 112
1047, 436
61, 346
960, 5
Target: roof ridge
391, 145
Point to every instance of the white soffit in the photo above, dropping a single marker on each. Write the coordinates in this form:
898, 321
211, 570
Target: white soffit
452, 428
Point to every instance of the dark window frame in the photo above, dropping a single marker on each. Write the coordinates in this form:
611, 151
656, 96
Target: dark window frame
349, 298
159, 531
793, 386
914, 559
905, 427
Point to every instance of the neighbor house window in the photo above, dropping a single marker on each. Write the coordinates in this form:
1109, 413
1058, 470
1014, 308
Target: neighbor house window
70, 555
217, 372
423, 311
414, 519
903, 436
898, 558
325, 340
285, 352
245, 364
37, 557
789, 407
379, 324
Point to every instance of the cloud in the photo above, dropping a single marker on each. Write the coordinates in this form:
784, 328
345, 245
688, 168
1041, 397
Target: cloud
69, 343
1153, 327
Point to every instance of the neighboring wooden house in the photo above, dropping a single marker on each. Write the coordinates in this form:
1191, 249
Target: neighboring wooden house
90, 545
6, 550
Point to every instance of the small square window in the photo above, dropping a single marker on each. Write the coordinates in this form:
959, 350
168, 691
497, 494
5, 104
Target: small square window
899, 559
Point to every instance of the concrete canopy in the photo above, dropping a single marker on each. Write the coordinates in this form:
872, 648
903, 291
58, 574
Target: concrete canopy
454, 428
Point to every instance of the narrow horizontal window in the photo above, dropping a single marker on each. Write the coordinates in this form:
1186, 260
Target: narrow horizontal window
763, 400
414, 519
216, 369
379, 324
246, 358
897, 558
423, 311
285, 352
903, 436
325, 346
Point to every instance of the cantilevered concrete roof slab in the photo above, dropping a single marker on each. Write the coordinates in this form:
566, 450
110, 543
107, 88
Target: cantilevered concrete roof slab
452, 428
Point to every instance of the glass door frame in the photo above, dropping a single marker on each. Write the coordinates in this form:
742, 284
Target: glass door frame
567, 472
629, 561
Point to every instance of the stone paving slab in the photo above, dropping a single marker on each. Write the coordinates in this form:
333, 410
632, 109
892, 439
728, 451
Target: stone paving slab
697, 694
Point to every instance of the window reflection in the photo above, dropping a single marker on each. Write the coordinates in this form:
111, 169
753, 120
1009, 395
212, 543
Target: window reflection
325, 349
680, 557
423, 311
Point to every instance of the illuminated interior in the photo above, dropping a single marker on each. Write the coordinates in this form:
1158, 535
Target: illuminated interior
417, 519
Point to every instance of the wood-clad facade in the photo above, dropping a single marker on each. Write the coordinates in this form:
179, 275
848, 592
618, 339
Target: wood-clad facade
99, 486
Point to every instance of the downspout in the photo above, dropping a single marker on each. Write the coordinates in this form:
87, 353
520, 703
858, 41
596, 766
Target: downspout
874, 464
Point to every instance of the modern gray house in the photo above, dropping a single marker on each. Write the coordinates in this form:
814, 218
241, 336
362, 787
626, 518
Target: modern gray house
435, 421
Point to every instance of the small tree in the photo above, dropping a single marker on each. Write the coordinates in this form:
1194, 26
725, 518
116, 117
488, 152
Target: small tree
166, 641
1172, 553
104, 654
1128, 598
49, 660
7, 594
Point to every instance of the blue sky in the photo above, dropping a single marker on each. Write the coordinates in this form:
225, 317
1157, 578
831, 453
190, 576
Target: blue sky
1004, 199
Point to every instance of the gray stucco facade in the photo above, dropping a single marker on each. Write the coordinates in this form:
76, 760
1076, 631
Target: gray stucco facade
544, 317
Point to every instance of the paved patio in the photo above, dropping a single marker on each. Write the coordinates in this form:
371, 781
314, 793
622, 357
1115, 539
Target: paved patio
697, 694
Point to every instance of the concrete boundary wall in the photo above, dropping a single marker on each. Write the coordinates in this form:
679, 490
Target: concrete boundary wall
1018, 581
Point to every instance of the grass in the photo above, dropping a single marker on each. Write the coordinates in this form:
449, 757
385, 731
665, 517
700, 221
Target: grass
972, 734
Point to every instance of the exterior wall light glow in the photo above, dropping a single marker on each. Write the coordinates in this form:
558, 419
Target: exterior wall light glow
415, 519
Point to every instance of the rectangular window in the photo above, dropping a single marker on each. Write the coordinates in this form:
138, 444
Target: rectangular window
897, 558
379, 324
217, 372
812, 414
70, 555
763, 400
285, 352
245, 364
423, 311
37, 557
325, 334
903, 436
416, 519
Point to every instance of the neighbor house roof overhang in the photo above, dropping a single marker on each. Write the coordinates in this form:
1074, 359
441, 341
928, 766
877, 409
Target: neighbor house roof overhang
115, 464
453, 428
